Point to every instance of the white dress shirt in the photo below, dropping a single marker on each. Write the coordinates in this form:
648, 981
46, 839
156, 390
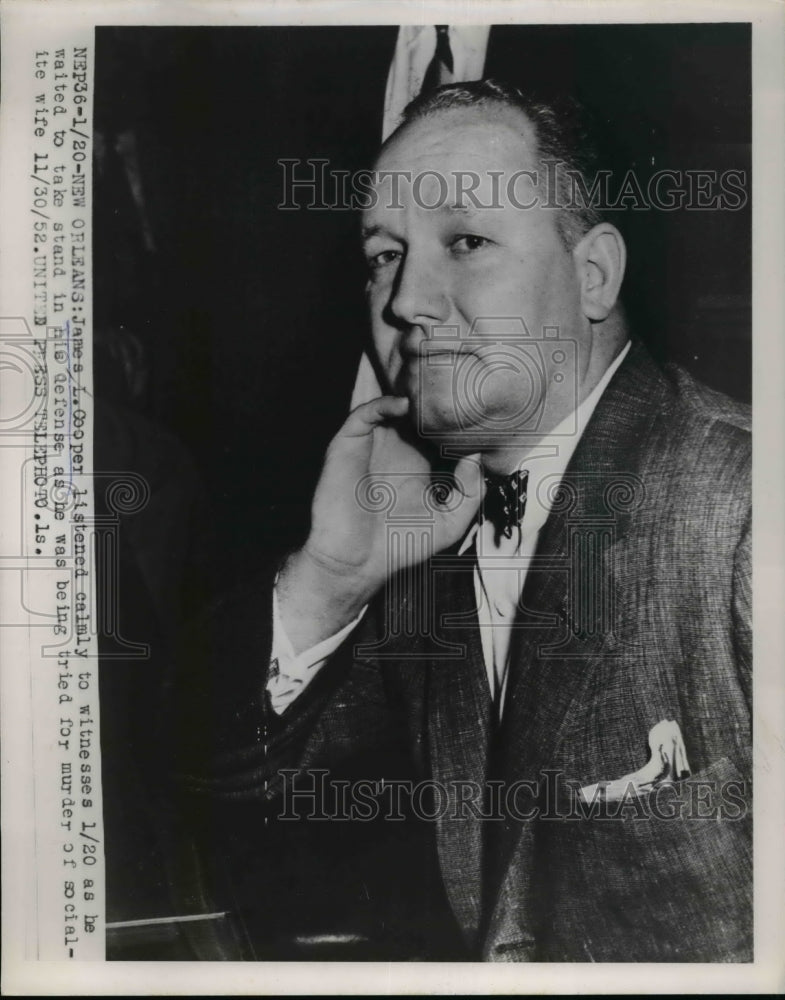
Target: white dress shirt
499, 577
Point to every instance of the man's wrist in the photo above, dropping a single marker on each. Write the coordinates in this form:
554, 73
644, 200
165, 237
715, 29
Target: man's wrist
317, 599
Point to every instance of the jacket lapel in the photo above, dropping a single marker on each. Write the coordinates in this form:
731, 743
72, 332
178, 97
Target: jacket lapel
567, 622
567, 617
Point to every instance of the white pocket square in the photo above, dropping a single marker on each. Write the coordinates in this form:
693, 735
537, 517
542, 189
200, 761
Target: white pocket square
667, 763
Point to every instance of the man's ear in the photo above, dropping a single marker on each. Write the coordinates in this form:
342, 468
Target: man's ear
600, 258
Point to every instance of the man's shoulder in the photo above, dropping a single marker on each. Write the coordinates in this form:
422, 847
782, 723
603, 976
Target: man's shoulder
684, 439
657, 409
700, 448
709, 432
708, 406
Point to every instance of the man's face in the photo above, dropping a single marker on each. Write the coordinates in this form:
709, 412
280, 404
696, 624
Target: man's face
479, 270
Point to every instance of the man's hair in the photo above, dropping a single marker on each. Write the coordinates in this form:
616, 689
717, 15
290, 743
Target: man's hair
562, 132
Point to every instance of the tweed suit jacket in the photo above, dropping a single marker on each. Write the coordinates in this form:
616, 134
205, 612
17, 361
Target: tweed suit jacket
636, 610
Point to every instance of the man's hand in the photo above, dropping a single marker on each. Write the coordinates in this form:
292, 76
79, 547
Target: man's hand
370, 469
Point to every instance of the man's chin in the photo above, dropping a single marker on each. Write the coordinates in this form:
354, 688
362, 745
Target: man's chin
438, 428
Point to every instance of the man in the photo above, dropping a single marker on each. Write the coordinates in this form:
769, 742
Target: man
571, 612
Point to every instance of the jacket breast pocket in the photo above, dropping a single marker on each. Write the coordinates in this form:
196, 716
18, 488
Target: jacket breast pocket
661, 876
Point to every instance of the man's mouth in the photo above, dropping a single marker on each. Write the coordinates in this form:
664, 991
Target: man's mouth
437, 350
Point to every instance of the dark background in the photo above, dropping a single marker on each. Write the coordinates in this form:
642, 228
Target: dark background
227, 337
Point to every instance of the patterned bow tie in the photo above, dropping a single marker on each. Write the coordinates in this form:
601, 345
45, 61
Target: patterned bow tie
505, 501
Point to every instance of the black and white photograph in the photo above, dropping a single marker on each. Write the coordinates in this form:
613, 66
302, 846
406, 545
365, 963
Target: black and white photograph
421, 493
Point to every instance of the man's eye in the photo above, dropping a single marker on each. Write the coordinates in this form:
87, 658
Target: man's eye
469, 243
379, 260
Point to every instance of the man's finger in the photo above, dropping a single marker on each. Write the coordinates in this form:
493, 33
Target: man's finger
368, 416
469, 477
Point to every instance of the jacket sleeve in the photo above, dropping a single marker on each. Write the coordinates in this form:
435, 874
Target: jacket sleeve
224, 738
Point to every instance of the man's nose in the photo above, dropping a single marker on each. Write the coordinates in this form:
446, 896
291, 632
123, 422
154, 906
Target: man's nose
419, 296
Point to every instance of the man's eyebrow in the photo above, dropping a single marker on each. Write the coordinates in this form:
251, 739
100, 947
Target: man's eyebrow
457, 209
377, 229
367, 232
